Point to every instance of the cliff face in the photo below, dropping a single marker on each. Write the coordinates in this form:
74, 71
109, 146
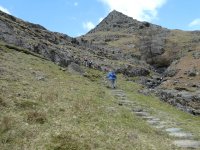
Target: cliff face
160, 57
53, 46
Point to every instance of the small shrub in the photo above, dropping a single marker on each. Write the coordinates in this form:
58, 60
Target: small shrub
26, 104
36, 117
67, 141
6, 123
49, 96
2, 102
108, 40
92, 76
74, 41
147, 24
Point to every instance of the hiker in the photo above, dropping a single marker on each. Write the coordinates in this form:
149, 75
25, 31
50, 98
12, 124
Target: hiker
112, 78
90, 64
86, 61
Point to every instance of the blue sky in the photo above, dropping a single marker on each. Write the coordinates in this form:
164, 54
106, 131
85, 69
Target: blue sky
77, 17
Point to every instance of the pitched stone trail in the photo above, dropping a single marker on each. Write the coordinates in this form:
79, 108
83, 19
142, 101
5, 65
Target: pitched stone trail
183, 139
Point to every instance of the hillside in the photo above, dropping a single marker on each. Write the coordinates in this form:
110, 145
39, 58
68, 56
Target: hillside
172, 56
164, 61
44, 106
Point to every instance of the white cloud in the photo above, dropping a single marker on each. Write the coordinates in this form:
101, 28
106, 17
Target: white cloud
76, 4
143, 10
100, 19
195, 22
88, 25
4, 10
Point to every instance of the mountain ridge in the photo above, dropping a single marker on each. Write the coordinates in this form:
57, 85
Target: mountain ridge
116, 20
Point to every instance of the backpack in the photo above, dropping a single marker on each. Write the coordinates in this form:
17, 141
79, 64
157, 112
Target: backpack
113, 75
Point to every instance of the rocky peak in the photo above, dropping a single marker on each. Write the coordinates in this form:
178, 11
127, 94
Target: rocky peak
118, 17
13, 19
117, 21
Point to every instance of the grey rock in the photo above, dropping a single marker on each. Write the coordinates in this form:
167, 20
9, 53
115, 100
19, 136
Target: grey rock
196, 55
76, 68
141, 113
181, 135
173, 130
187, 143
192, 72
183, 100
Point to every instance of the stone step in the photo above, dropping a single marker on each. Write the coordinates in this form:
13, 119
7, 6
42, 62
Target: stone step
187, 144
160, 126
117, 90
126, 101
181, 135
122, 98
153, 122
141, 113
137, 108
172, 130
119, 95
147, 117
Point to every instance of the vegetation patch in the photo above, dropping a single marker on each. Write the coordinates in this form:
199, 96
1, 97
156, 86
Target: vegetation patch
68, 141
36, 117
6, 123
93, 75
2, 102
26, 104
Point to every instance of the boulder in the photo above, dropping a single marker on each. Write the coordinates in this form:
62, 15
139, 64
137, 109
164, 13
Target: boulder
75, 68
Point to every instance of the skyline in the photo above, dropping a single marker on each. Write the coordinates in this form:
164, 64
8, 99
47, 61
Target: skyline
77, 17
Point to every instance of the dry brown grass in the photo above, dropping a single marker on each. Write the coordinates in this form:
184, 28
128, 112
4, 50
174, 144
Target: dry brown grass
2, 102
36, 117
68, 141
6, 123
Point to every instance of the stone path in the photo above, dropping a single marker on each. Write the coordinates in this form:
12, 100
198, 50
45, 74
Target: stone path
183, 139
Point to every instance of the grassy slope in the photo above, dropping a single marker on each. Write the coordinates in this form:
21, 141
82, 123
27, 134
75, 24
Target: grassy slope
43, 107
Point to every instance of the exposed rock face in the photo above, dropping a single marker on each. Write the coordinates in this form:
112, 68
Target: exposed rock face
35, 38
136, 71
116, 21
184, 100
73, 67
151, 38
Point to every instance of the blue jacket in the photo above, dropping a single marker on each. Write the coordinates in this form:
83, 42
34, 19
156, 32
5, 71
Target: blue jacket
111, 76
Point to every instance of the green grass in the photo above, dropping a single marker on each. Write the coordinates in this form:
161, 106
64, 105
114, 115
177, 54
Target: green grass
161, 109
68, 111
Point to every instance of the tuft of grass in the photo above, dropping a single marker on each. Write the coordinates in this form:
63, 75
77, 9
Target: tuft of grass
36, 117
2, 102
26, 104
93, 75
6, 123
49, 96
67, 141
